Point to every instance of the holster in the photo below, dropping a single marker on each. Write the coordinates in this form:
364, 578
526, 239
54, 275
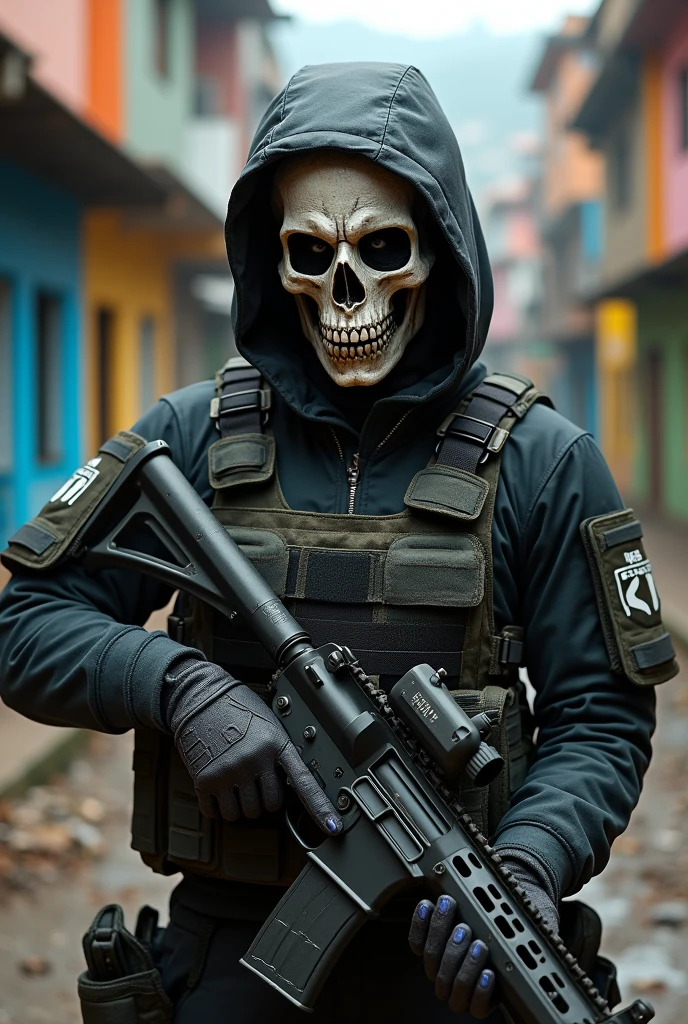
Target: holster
122, 985
581, 931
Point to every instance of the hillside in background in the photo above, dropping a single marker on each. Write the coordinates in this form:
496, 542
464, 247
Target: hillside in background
480, 79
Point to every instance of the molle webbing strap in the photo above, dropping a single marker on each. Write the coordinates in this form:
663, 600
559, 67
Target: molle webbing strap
470, 436
386, 648
240, 404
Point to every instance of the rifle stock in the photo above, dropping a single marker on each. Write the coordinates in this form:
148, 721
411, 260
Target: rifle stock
402, 823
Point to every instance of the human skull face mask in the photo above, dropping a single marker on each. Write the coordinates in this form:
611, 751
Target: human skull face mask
351, 257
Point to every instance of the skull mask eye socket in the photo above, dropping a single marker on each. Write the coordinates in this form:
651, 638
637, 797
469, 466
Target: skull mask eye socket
309, 254
386, 249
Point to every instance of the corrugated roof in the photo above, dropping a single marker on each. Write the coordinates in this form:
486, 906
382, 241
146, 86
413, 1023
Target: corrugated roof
570, 38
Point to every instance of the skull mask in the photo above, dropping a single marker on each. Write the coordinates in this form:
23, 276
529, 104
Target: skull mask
351, 257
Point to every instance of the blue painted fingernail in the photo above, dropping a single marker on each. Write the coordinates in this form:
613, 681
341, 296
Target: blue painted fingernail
423, 909
476, 951
443, 905
332, 824
459, 934
485, 980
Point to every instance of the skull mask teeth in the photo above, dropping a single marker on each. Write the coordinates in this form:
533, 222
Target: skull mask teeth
351, 257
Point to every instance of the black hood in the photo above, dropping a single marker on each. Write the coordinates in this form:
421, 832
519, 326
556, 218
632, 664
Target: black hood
388, 113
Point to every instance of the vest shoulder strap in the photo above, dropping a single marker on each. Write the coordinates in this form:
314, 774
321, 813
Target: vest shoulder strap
482, 425
462, 483
242, 399
465, 468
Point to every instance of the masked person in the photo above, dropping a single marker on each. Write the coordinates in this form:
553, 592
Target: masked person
402, 502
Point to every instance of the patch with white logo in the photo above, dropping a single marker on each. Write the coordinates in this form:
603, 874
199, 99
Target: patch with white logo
78, 483
49, 538
636, 584
639, 645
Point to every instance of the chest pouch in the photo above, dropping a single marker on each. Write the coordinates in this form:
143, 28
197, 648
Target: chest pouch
237, 461
50, 536
639, 646
395, 606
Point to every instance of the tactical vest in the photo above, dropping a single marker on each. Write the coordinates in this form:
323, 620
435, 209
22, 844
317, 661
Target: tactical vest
399, 590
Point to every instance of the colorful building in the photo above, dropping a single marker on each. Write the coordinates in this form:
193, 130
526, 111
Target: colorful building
509, 217
570, 221
183, 96
123, 124
51, 166
636, 112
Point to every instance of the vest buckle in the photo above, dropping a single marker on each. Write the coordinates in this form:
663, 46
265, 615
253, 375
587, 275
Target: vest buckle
241, 401
469, 428
510, 651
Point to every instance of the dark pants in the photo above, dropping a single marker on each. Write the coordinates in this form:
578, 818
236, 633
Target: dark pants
377, 980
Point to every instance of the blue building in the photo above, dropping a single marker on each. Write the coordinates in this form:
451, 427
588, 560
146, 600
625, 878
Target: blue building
52, 166
40, 382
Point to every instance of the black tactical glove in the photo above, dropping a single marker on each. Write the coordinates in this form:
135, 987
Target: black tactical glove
457, 964
539, 886
232, 744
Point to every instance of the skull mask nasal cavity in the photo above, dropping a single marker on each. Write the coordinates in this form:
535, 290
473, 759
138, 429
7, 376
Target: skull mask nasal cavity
351, 257
347, 290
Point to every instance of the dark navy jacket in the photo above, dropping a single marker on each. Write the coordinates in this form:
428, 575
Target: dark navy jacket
72, 650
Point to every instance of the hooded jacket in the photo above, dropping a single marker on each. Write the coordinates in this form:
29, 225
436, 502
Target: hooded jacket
72, 647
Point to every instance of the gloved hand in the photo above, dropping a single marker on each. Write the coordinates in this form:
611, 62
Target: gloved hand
451, 958
458, 965
538, 885
232, 745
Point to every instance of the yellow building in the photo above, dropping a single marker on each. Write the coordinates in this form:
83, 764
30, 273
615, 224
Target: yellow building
616, 363
129, 299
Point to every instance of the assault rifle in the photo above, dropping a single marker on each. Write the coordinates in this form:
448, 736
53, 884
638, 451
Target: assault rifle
388, 762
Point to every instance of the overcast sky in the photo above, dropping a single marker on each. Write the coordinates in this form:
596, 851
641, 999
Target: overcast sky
432, 18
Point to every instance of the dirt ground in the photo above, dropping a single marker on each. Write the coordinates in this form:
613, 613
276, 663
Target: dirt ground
64, 852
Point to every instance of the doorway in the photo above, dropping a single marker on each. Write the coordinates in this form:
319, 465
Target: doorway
49, 382
6, 412
105, 334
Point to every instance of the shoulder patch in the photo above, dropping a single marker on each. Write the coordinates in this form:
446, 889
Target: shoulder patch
48, 538
639, 646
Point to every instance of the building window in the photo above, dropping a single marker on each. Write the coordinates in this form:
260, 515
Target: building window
683, 108
162, 36
5, 378
147, 363
207, 96
621, 171
589, 59
592, 241
49, 377
105, 333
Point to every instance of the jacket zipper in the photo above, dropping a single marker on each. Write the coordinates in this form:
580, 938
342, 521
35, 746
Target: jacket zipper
393, 430
353, 473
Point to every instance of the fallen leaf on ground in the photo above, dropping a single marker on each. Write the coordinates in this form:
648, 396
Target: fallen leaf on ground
35, 966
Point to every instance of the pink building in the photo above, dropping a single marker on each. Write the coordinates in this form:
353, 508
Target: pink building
674, 101
55, 34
